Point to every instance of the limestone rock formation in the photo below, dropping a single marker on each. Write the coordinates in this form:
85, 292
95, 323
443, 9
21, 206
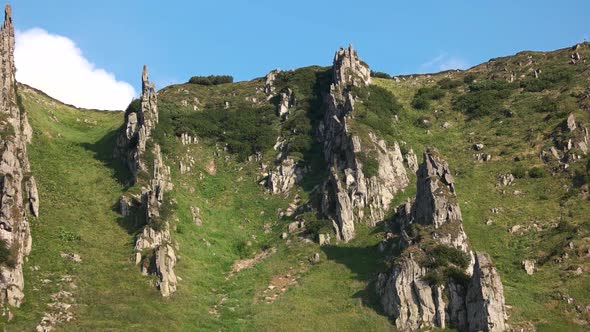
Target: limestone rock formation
269, 80
570, 143
286, 101
485, 297
287, 172
153, 248
131, 143
351, 194
424, 290
18, 189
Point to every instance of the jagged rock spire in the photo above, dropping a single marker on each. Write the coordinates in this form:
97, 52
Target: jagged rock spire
352, 193
132, 141
349, 69
414, 302
18, 189
436, 202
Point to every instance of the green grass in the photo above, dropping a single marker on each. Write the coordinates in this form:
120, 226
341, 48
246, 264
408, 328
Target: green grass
80, 183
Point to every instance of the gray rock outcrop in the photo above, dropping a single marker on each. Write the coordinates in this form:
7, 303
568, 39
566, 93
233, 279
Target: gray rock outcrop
287, 171
154, 251
352, 193
269, 80
421, 290
131, 143
570, 143
18, 189
286, 102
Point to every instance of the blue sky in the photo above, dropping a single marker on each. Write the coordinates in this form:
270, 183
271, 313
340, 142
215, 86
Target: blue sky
178, 39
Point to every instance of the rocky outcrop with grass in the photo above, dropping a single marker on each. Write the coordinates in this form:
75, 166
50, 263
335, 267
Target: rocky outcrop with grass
154, 250
18, 189
365, 173
570, 143
438, 281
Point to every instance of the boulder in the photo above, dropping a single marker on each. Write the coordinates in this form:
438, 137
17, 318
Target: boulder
196, 214
324, 239
529, 266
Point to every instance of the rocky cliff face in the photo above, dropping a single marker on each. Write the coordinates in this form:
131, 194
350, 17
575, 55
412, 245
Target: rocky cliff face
18, 189
439, 281
154, 248
350, 195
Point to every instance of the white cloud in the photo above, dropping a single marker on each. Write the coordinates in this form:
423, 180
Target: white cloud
444, 61
54, 64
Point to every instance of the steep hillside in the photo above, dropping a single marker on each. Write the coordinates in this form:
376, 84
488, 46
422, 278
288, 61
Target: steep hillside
260, 174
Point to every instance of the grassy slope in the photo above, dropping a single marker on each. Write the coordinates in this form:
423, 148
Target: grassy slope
544, 200
78, 184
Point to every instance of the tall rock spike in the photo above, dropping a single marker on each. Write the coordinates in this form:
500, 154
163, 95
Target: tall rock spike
153, 247
139, 125
353, 194
18, 190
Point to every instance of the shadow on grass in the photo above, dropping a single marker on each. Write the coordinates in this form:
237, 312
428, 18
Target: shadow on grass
103, 151
365, 263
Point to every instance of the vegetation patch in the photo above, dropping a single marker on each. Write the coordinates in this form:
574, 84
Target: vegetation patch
485, 98
211, 79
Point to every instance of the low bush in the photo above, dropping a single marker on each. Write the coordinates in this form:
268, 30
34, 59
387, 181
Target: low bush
484, 98
424, 96
537, 172
380, 74
548, 79
370, 164
448, 84
519, 172
315, 225
211, 79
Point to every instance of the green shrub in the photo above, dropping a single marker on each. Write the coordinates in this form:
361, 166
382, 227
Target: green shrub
448, 84
245, 249
434, 278
443, 255
423, 97
166, 210
484, 98
370, 164
380, 74
548, 79
519, 172
211, 79
457, 274
469, 78
546, 105
377, 108
315, 225
245, 131
133, 107
537, 172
